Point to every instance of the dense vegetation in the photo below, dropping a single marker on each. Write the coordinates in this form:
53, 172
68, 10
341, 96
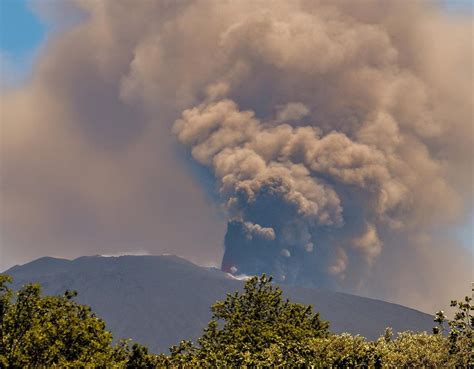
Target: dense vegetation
253, 328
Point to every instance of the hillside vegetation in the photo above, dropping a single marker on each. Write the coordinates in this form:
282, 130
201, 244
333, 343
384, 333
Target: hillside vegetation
256, 327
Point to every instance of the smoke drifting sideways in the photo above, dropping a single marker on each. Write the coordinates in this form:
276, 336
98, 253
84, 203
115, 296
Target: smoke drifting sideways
339, 135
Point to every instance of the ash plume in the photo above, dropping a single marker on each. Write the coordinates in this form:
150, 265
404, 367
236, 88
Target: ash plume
328, 125
339, 136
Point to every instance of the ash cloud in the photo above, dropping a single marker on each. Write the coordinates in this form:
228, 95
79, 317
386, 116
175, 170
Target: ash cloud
339, 135
330, 124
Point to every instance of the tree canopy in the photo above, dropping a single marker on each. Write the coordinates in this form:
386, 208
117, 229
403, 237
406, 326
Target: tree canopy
247, 328
39, 331
255, 327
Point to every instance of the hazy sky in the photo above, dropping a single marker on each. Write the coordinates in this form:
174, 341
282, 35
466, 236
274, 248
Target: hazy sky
23, 32
26, 26
116, 181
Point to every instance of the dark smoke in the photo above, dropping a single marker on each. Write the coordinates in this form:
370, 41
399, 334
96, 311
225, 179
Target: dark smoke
339, 134
329, 126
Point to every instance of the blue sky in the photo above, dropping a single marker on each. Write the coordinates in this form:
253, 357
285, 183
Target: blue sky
22, 33
21, 30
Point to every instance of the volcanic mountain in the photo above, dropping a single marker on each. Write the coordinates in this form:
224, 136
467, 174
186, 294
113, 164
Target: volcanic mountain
160, 300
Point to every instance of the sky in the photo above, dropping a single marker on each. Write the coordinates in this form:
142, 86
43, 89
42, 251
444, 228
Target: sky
115, 174
23, 33
22, 30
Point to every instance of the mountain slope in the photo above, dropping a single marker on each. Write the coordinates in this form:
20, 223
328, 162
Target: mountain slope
160, 300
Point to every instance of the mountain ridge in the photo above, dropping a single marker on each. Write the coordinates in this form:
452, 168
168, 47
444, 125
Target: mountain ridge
159, 300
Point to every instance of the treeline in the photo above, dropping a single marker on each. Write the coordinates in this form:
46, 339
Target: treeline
255, 328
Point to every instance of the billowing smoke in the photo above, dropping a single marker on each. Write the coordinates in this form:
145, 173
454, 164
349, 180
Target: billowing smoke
328, 126
338, 133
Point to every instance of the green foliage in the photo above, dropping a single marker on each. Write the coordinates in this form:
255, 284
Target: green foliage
413, 350
5, 297
49, 331
342, 351
460, 332
139, 357
256, 323
255, 328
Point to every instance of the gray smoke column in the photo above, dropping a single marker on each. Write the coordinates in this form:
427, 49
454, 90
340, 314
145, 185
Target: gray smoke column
284, 188
338, 134
330, 132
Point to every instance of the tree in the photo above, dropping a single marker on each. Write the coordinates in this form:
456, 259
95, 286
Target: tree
138, 357
5, 296
460, 332
257, 327
39, 331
